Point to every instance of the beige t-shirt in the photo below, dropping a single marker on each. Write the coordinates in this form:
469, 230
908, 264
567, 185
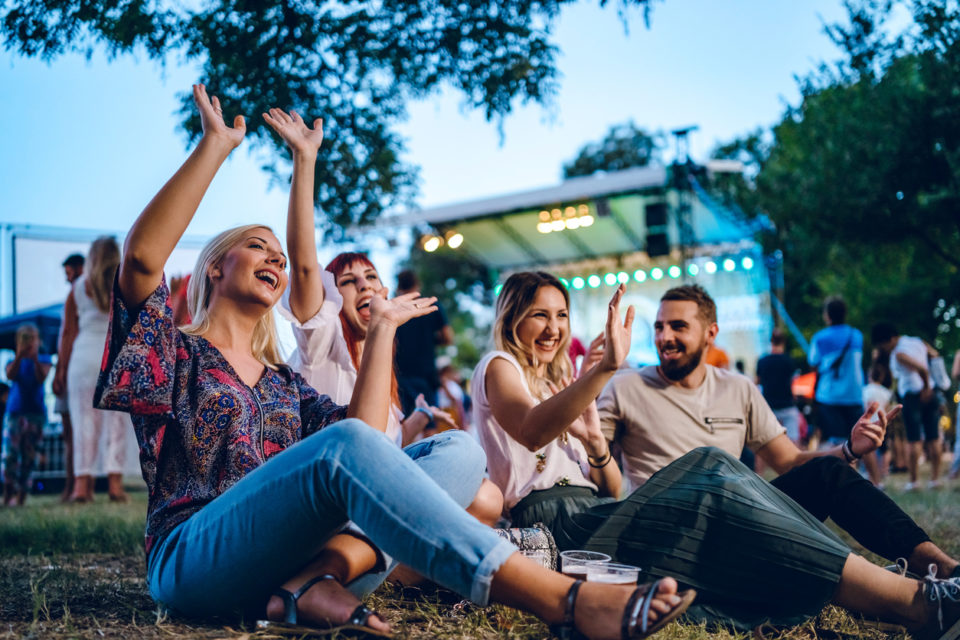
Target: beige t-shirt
511, 465
655, 422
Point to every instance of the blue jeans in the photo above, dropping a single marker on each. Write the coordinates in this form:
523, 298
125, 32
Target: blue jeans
231, 555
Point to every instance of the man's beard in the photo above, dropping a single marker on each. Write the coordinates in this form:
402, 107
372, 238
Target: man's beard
679, 369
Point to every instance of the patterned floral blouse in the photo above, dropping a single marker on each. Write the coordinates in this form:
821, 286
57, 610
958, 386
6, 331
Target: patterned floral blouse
199, 426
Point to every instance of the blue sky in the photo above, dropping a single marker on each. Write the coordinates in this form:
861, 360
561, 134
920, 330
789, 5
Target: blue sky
87, 143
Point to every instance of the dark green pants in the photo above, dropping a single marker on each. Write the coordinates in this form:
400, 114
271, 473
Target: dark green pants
751, 552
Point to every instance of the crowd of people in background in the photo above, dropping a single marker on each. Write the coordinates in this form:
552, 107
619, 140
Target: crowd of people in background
289, 489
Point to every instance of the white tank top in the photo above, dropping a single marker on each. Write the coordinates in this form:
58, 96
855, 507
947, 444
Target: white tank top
511, 465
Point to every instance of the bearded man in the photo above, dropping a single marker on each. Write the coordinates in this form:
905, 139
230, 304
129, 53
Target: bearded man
657, 414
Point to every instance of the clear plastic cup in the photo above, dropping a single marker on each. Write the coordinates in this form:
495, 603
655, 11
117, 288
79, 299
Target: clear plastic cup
540, 556
612, 573
575, 563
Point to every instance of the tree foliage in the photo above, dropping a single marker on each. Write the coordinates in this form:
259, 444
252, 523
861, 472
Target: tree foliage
624, 146
354, 62
862, 178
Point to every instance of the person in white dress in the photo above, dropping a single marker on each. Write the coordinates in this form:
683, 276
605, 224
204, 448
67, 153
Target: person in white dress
86, 314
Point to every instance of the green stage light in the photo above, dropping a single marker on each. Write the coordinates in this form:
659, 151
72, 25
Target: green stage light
747, 263
593, 281
565, 282
623, 278
693, 269
610, 279
496, 289
710, 267
656, 273
578, 283
729, 264
639, 275
674, 271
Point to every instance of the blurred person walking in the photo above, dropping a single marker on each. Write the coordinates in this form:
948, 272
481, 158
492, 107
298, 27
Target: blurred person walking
72, 269
837, 354
25, 414
774, 376
86, 315
909, 357
417, 343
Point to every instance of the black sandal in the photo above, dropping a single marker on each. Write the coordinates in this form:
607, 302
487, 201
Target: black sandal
635, 614
356, 623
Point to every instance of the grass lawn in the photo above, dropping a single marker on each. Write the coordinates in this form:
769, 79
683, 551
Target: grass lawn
70, 571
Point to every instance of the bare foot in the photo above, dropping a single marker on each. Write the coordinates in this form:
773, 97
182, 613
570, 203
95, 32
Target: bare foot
325, 604
599, 608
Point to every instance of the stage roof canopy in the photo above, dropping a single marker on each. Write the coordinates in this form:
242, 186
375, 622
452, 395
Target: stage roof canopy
581, 219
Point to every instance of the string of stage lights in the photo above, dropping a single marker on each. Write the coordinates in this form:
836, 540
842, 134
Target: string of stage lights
613, 279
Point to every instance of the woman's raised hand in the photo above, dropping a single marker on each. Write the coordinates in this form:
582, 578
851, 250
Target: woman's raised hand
211, 118
616, 342
295, 132
398, 310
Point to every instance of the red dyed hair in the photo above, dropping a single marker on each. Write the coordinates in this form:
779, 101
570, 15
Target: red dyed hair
337, 266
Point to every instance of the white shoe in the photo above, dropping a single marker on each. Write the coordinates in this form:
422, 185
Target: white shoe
934, 484
910, 486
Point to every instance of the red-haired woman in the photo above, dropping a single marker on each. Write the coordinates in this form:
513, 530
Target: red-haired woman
331, 311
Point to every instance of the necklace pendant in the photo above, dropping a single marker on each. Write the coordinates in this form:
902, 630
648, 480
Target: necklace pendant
541, 462
564, 439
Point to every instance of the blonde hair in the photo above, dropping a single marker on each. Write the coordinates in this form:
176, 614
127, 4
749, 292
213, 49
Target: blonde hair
102, 263
266, 345
514, 302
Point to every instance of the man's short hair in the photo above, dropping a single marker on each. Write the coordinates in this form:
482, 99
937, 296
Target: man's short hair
882, 332
836, 309
706, 307
407, 280
777, 338
74, 260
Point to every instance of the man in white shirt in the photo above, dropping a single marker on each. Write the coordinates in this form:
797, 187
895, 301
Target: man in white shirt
921, 410
659, 413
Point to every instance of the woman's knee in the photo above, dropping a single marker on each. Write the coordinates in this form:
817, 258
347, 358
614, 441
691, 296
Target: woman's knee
487, 505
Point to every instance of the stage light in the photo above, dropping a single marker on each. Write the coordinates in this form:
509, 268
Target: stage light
639, 275
578, 283
623, 278
555, 214
558, 225
544, 227
565, 282
710, 266
610, 279
496, 289
693, 269
454, 239
572, 223
586, 221
544, 216
747, 263
431, 243
583, 210
674, 271
729, 264
656, 273
569, 212
593, 281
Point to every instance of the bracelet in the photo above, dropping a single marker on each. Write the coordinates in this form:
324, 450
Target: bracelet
847, 451
426, 413
605, 460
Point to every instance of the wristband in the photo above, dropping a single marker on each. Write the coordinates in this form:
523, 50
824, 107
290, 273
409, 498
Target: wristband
847, 451
605, 460
426, 413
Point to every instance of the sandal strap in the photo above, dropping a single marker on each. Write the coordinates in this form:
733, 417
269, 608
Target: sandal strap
361, 615
638, 610
290, 599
